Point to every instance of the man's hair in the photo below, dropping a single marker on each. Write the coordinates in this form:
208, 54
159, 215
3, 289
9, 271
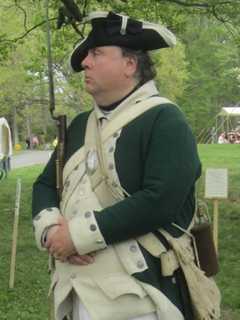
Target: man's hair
145, 66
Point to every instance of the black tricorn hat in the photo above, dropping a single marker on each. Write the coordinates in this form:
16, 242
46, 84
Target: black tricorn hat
111, 29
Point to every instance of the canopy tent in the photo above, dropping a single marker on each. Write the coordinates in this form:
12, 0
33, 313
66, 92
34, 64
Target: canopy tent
230, 112
5, 147
5, 139
227, 120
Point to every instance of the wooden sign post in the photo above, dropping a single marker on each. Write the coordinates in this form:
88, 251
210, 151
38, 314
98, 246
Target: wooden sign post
15, 234
216, 188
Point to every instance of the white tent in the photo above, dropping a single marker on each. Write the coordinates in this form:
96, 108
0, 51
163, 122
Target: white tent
228, 119
5, 139
230, 111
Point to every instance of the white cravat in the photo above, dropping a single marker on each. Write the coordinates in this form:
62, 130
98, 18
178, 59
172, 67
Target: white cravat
81, 313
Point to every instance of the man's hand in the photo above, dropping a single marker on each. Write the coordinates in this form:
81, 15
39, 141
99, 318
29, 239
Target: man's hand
59, 242
60, 245
81, 260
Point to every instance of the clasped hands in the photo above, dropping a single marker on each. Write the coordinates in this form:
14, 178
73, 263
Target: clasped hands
60, 245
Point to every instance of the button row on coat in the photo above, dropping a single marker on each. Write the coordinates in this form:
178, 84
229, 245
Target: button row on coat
92, 226
140, 264
134, 249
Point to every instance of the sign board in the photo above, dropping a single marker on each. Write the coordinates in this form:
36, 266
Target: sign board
216, 183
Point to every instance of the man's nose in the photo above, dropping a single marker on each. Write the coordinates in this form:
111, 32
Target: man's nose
86, 62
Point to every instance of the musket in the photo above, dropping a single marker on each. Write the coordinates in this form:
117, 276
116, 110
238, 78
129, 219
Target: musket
61, 122
60, 119
61, 134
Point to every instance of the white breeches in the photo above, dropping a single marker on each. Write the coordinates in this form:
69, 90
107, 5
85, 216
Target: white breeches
80, 312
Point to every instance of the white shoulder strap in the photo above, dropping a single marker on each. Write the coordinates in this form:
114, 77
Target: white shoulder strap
117, 122
123, 118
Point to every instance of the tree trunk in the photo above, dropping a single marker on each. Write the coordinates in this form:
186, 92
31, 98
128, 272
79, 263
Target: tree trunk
44, 108
15, 133
29, 127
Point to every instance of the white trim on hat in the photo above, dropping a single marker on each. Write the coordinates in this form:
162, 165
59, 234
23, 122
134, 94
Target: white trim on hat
70, 57
95, 14
80, 43
166, 34
124, 24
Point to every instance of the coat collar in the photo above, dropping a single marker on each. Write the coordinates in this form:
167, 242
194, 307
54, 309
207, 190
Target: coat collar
145, 91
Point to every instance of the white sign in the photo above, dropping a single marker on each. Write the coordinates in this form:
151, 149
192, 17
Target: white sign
216, 183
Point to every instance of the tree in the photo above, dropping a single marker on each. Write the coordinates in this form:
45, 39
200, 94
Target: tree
200, 74
172, 72
212, 84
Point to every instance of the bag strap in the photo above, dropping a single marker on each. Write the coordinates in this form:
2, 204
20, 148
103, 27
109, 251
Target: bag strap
118, 121
123, 118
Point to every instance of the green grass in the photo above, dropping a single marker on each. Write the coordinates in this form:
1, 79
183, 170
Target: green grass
227, 156
28, 300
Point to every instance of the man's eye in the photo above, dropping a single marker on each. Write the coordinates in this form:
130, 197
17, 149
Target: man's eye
96, 52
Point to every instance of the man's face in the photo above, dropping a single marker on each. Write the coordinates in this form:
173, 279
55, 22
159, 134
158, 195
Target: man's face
107, 71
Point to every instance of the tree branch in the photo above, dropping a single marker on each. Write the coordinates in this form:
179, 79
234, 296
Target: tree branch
73, 24
198, 4
213, 9
28, 31
185, 4
24, 14
217, 16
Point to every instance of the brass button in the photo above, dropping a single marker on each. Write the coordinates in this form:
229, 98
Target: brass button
111, 166
87, 214
93, 227
91, 161
133, 248
140, 264
99, 241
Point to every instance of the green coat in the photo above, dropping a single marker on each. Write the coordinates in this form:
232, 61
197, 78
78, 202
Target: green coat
157, 163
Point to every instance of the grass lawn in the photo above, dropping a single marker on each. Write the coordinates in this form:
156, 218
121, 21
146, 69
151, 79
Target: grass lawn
227, 156
28, 300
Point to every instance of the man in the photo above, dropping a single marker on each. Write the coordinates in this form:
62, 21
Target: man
128, 185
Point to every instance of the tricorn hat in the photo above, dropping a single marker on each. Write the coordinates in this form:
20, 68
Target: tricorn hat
111, 29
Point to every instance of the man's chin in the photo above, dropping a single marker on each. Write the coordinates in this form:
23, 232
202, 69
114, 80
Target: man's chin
90, 89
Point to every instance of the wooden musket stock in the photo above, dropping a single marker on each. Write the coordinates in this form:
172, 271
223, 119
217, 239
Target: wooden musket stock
60, 159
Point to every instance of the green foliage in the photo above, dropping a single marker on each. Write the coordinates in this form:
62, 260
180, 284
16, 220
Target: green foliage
201, 73
212, 61
172, 73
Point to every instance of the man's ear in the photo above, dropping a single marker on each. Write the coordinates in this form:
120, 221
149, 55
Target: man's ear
131, 66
